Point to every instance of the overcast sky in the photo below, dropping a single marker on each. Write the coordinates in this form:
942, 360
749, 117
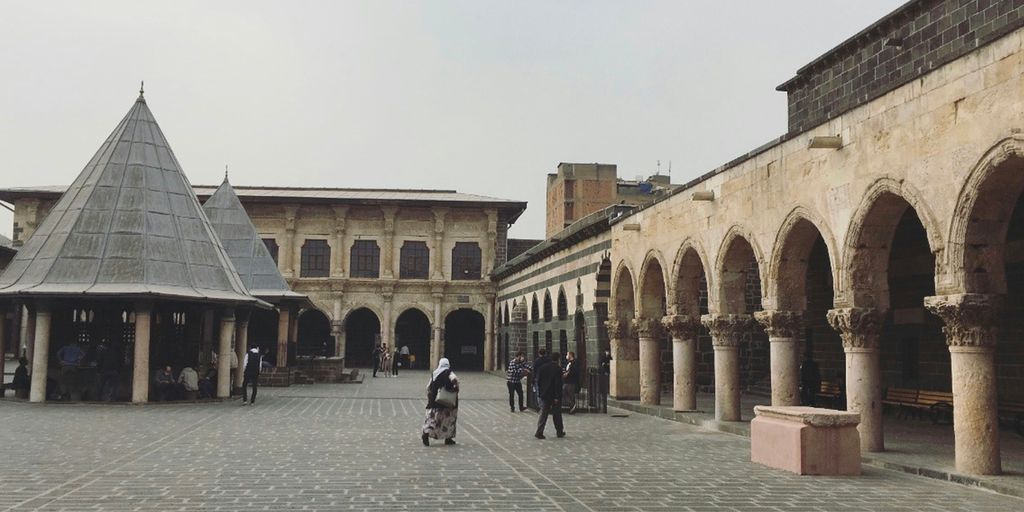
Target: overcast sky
478, 96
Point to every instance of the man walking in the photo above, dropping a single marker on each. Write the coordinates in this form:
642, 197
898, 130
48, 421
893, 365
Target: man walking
515, 372
549, 393
570, 381
251, 374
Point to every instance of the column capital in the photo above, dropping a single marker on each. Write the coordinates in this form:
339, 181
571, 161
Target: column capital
617, 329
681, 327
859, 328
969, 318
780, 324
726, 330
648, 327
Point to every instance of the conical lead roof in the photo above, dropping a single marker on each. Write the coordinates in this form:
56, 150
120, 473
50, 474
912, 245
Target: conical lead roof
129, 225
245, 247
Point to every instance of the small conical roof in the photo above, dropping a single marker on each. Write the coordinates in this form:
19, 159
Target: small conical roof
245, 247
129, 225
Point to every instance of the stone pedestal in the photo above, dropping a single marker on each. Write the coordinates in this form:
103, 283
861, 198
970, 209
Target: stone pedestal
726, 332
782, 328
860, 329
970, 321
649, 333
806, 440
684, 360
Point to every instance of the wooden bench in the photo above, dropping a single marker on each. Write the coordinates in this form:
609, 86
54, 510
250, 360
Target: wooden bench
903, 399
1013, 413
939, 405
831, 393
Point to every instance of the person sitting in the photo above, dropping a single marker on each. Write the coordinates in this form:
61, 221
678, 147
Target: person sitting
164, 384
208, 384
21, 382
189, 382
70, 357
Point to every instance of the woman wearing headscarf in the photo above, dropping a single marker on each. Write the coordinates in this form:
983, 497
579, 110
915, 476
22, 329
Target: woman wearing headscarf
441, 417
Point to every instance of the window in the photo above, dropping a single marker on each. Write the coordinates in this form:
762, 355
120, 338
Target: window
365, 259
415, 261
316, 259
466, 261
272, 247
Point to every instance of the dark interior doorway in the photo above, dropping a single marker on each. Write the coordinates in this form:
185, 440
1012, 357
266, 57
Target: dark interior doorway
464, 339
315, 334
413, 330
362, 331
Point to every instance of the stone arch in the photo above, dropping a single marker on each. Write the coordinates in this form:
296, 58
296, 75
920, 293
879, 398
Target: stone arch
977, 235
738, 266
534, 310
464, 338
314, 334
403, 307
864, 274
689, 277
787, 272
413, 329
623, 306
653, 296
548, 315
362, 328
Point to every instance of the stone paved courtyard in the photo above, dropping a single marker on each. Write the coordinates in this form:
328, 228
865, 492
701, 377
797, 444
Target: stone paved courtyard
356, 447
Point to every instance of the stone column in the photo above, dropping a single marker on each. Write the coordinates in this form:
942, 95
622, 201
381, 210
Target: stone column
339, 252
624, 381
207, 341
3, 347
140, 365
293, 333
726, 332
489, 335
290, 265
29, 332
241, 346
649, 333
437, 253
684, 360
283, 331
337, 331
860, 329
437, 347
389, 241
783, 328
227, 331
385, 329
489, 244
41, 353
971, 333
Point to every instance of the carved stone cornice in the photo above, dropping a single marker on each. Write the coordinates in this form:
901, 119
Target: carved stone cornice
858, 327
617, 329
648, 328
727, 330
780, 324
681, 327
970, 318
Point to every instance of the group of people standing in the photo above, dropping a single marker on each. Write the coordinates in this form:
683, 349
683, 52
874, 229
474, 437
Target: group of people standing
388, 361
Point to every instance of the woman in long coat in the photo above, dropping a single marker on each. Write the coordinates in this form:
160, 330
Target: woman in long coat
441, 419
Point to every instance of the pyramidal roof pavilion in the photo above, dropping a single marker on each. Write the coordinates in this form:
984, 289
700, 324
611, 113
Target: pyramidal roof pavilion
129, 226
245, 247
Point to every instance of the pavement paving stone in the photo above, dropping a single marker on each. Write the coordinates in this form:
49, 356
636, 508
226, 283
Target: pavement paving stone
357, 447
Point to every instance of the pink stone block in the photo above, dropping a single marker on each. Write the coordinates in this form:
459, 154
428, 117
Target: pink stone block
806, 440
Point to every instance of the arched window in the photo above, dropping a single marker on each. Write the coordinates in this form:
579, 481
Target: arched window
547, 307
466, 261
316, 259
415, 260
365, 259
563, 306
535, 310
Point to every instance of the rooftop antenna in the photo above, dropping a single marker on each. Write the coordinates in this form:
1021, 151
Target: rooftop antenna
659, 168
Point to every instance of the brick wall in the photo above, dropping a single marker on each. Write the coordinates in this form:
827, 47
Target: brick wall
931, 33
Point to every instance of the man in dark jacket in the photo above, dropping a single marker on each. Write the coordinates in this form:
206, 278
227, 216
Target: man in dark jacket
377, 351
570, 381
549, 394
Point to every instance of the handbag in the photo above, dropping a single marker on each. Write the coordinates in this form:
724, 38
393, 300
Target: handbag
446, 398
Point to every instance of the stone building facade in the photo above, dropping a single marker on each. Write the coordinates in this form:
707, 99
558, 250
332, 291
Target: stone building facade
404, 267
883, 236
